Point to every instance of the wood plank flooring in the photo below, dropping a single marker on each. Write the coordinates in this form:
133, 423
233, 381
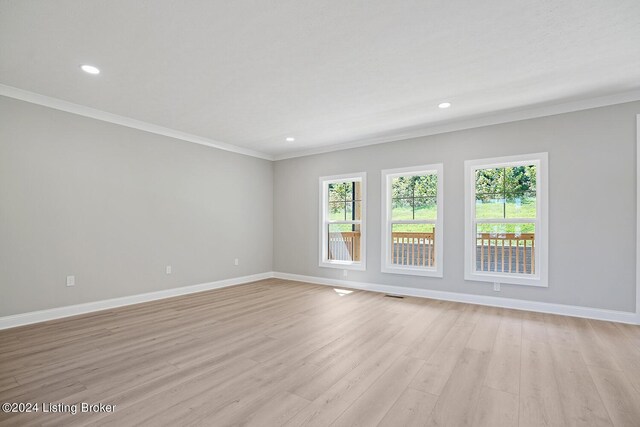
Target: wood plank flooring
277, 352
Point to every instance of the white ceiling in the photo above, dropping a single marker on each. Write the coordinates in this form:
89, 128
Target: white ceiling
250, 73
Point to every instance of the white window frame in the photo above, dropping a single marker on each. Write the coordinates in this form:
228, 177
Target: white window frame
540, 278
386, 265
325, 221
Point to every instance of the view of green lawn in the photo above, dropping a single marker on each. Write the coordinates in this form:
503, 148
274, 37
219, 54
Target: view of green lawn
515, 208
500, 193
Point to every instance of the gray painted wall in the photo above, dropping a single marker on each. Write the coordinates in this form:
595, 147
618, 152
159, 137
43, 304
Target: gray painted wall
113, 206
592, 227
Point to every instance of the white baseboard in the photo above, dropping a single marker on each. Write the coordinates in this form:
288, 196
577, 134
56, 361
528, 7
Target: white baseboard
517, 304
542, 307
73, 310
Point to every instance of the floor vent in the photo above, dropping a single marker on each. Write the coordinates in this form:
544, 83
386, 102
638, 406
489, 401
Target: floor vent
394, 296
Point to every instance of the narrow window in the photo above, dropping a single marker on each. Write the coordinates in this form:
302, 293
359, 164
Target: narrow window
342, 226
412, 232
506, 230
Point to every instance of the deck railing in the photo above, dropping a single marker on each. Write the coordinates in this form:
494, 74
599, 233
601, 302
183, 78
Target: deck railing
502, 252
506, 252
413, 249
344, 246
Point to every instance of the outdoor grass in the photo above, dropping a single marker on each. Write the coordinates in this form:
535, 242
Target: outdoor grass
525, 209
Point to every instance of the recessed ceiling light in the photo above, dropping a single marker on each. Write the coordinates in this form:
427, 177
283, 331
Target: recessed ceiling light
90, 69
290, 139
444, 105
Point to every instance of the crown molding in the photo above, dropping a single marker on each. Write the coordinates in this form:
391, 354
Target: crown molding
476, 122
81, 110
403, 134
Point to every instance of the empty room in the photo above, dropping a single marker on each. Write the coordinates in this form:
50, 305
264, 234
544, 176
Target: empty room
319, 213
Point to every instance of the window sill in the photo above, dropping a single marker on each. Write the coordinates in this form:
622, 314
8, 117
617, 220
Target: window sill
344, 265
505, 279
424, 272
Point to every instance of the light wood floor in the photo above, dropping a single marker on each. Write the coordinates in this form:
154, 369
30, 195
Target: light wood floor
286, 353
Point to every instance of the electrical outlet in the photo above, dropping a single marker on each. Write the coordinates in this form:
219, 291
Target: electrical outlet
236, 261
168, 269
496, 286
344, 273
71, 280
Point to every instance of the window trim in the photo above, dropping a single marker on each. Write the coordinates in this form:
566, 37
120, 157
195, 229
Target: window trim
324, 222
540, 278
386, 265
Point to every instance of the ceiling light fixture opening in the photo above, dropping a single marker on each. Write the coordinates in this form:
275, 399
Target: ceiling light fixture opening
90, 69
290, 139
444, 105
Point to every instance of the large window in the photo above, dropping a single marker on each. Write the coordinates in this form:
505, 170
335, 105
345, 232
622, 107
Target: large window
342, 227
412, 220
506, 229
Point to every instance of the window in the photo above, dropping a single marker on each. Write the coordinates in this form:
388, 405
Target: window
506, 229
342, 226
412, 220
